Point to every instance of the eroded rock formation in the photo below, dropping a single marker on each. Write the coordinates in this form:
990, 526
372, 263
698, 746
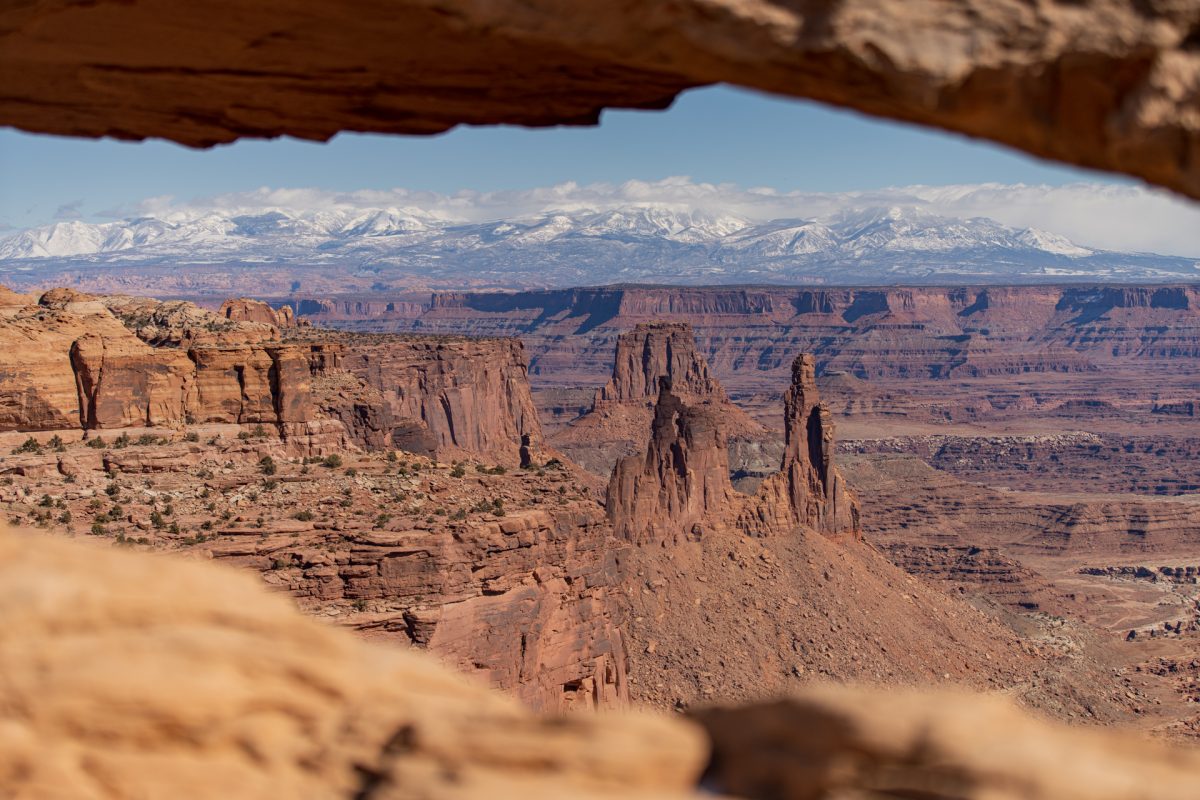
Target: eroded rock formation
808, 490
620, 417
450, 396
73, 361
245, 309
76, 361
681, 484
1102, 84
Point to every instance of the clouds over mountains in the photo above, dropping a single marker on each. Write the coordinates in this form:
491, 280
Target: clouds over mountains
1097, 215
674, 230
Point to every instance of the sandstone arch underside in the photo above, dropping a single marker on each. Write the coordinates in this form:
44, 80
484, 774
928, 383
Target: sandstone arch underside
1101, 83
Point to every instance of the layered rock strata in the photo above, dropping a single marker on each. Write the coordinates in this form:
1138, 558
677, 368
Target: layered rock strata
74, 361
896, 332
245, 309
682, 482
616, 425
450, 396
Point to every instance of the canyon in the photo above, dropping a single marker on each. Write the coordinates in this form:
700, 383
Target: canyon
666, 540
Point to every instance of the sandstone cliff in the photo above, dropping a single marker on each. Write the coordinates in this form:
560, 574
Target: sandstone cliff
681, 484
622, 410
245, 309
895, 332
78, 361
449, 396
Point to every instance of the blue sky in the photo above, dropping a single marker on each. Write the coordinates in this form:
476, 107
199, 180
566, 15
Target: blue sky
717, 135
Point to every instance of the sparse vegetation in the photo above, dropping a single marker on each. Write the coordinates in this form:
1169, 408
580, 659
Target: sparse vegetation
30, 445
331, 461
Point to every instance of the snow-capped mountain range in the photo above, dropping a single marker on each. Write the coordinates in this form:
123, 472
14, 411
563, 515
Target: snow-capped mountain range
632, 242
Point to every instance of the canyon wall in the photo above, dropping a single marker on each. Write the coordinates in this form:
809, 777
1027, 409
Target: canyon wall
76, 361
896, 332
452, 396
528, 601
73, 361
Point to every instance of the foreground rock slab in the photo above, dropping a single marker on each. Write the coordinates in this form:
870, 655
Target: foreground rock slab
134, 675
1101, 83
835, 742
129, 675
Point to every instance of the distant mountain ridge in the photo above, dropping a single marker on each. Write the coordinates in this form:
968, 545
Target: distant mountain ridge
663, 243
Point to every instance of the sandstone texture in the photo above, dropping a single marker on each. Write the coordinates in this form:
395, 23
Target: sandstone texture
680, 485
452, 396
618, 420
138, 676
73, 361
1101, 84
131, 675
682, 482
245, 309
837, 742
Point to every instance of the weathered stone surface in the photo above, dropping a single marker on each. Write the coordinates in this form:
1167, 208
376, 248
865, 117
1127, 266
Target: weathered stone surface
124, 383
681, 485
1101, 83
463, 396
839, 742
245, 309
127, 675
808, 490
620, 418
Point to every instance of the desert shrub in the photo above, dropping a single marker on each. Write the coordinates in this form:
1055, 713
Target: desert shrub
56, 443
458, 471
331, 461
303, 516
30, 445
267, 466
98, 443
